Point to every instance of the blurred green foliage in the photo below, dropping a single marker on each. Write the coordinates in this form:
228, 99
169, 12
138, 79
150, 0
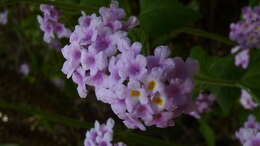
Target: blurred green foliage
208, 133
219, 68
160, 21
254, 2
159, 17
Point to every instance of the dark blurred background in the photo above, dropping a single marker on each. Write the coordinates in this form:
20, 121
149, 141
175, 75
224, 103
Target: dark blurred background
45, 88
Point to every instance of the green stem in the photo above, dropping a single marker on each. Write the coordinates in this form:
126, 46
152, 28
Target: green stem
216, 82
208, 35
127, 136
62, 5
196, 32
45, 115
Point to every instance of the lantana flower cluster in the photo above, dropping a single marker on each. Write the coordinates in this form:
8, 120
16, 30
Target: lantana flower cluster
247, 33
101, 135
249, 135
203, 103
50, 24
141, 90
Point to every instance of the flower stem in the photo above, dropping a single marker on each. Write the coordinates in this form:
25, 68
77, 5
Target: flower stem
195, 32
216, 82
208, 35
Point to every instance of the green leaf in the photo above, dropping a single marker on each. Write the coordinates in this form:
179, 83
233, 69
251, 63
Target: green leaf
254, 2
207, 133
52, 64
214, 66
203, 58
95, 2
223, 68
138, 34
162, 16
226, 97
142, 140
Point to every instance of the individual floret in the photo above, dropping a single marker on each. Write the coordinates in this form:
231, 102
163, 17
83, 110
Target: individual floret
50, 24
247, 101
101, 135
249, 135
203, 103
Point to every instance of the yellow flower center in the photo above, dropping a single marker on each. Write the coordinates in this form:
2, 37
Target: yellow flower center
158, 100
135, 93
151, 85
251, 38
257, 28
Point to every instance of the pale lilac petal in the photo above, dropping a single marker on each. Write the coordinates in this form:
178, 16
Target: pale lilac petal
82, 91
24, 69
131, 23
242, 59
4, 17
162, 52
100, 135
249, 135
246, 101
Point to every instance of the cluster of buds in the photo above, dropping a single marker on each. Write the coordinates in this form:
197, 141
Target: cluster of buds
203, 103
50, 24
101, 135
249, 135
247, 33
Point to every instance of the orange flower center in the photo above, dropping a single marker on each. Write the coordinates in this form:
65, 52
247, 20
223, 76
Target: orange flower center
158, 100
251, 38
151, 85
257, 28
135, 93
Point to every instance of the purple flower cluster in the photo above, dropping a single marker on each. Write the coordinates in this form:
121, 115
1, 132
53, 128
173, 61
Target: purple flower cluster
4, 17
101, 135
141, 90
203, 103
249, 135
50, 25
93, 43
246, 100
247, 31
149, 90
247, 34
